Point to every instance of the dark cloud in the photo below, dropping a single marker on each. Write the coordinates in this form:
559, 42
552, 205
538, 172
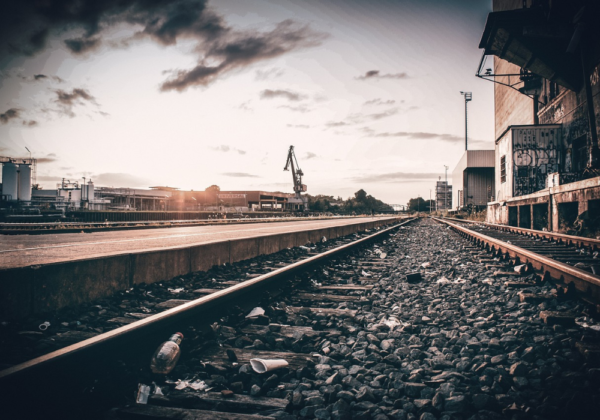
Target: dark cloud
379, 101
419, 135
397, 177
69, 100
309, 155
282, 93
239, 175
30, 123
239, 49
39, 76
225, 148
10, 114
47, 159
376, 74
298, 126
269, 74
120, 180
26, 27
82, 45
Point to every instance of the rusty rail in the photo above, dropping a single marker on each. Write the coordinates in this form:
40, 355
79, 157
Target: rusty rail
585, 282
572, 240
128, 335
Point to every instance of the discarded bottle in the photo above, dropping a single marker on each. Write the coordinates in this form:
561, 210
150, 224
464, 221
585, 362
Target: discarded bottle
166, 355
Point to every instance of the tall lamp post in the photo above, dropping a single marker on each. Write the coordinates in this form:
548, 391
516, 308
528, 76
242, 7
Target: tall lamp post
468, 97
446, 190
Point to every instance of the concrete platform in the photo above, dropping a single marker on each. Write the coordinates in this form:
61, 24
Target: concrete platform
44, 273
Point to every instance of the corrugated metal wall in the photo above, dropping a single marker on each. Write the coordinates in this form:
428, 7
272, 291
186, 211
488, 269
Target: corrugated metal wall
479, 185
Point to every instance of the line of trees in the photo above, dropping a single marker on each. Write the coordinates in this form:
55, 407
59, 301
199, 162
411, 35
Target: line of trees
361, 203
418, 204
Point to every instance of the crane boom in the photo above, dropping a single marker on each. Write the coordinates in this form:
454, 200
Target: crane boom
297, 174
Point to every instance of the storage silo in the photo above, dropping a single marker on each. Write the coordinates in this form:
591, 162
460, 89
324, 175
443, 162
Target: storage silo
24, 182
90, 191
9, 181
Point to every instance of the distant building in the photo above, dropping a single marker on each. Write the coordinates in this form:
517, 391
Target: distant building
547, 97
473, 179
443, 196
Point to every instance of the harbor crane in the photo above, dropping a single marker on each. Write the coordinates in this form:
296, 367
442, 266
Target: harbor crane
299, 202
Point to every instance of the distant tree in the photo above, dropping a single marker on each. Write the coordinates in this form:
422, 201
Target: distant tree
418, 204
213, 188
36, 187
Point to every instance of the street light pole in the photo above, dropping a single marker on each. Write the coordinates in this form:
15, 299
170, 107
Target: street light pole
468, 97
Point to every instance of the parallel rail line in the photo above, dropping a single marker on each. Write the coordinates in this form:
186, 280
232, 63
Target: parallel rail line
584, 281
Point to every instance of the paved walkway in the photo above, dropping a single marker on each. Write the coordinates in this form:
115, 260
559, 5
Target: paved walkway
26, 250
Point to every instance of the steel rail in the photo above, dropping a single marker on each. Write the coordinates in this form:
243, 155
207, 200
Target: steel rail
123, 336
573, 240
583, 281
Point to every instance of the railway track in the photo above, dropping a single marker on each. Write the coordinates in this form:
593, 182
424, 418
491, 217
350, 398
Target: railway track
122, 343
572, 260
409, 323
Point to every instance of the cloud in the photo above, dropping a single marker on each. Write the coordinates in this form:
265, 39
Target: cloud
310, 155
39, 76
10, 114
361, 118
376, 75
298, 126
269, 74
397, 177
225, 148
117, 179
245, 106
296, 108
69, 100
379, 101
47, 159
29, 123
419, 135
27, 26
239, 175
48, 178
281, 93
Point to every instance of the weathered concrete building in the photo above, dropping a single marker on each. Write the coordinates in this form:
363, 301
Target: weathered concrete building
473, 179
547, 97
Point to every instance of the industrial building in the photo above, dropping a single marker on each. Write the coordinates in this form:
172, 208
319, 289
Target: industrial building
473, 180
443, 196
70, 195
17, 175
547, 95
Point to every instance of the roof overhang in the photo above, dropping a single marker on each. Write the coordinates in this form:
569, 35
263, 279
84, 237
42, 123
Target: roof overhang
526, 38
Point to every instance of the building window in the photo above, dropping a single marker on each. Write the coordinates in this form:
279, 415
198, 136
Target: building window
503, 169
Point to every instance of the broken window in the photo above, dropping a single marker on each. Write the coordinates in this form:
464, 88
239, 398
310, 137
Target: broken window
503, 169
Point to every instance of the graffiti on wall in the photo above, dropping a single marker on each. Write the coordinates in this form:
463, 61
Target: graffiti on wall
536, 153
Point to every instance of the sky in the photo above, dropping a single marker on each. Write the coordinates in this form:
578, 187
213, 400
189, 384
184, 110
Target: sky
192, 93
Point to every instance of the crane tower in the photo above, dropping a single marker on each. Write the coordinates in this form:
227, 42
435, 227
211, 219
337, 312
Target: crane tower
299, 202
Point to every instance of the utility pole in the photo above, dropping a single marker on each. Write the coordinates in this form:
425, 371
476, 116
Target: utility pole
430, 202
446, 190
468, 97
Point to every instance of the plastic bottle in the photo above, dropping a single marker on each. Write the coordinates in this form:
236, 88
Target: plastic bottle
166, 355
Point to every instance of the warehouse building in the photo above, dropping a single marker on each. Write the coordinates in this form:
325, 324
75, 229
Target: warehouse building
546, 93
473, 180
